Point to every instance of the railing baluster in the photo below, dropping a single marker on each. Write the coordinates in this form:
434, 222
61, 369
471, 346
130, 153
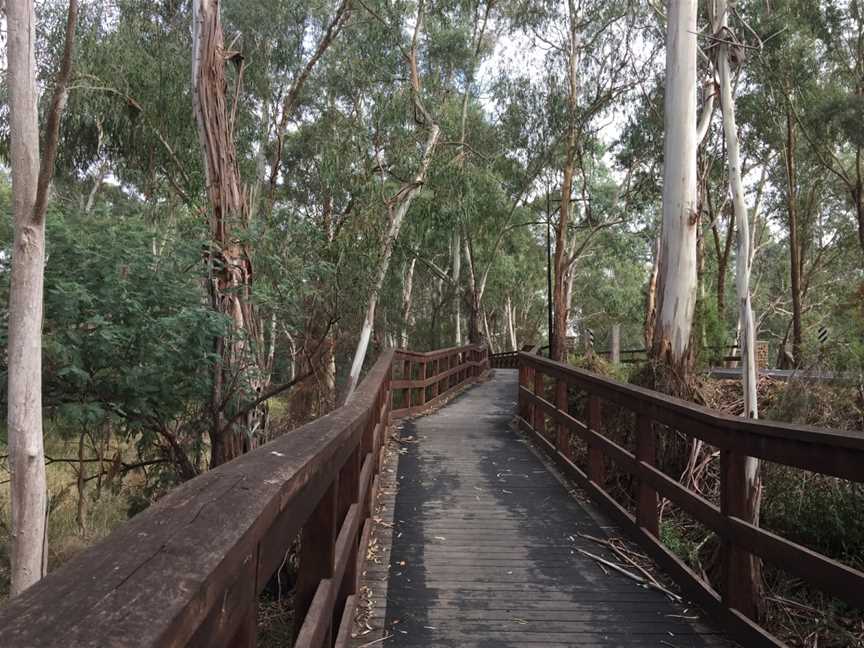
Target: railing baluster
539, 420
348, 494
562, 441
524, 406
646, 451
423, 383
316, 553
595, 452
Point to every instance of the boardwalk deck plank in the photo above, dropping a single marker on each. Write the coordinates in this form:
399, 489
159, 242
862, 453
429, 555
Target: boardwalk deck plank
481, 546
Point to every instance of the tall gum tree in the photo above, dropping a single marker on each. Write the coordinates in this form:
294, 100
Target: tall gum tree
397, 206
241, 377
230, 265
747, 467
558, 349
677, 262
31, 180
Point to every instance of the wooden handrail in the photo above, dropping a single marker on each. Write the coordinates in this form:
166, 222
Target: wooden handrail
840, 454
504, 360
427, 378
188, 570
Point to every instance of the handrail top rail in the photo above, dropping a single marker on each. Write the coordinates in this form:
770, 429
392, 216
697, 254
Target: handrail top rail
649, 399
154, 579
437, 352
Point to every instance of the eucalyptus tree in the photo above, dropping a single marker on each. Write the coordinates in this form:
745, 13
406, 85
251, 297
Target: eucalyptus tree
397, 205
778, 100
590, 72
828, 119
31, 180
676, 256
726, 49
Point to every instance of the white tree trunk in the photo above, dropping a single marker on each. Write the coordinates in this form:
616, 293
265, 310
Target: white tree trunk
396, 219
26, 451
743, 256
677, 268
490, 341
407, 289
511, 323
457, 274
742, 220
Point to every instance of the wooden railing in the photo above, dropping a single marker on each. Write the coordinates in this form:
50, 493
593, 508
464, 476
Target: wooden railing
506, 360
510, 359
188, 570
544, 396
425, 378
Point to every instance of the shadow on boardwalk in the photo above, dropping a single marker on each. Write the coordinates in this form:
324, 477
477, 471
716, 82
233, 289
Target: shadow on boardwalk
483, 546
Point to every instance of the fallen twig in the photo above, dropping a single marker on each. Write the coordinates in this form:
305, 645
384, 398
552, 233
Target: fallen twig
631, 575
372, 643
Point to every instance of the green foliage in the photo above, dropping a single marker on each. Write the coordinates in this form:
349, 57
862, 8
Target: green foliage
680, 541
822, 513
127, 339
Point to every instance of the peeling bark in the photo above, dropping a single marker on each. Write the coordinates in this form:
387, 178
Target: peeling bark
229, 263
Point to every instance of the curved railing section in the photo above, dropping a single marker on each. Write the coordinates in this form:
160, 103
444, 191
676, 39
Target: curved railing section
505, 360
188, 570
544, 397
422, 380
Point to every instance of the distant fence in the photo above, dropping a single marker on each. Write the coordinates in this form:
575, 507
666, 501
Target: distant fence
544, 399
732, 354
188, 570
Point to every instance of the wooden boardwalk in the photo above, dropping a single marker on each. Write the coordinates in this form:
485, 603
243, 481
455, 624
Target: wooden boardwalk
478, 546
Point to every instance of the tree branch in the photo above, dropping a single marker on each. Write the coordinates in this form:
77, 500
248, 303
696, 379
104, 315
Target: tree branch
52, 126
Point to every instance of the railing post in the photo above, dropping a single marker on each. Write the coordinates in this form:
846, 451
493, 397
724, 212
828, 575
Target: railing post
561, 402
348, 494
539, 421
316, 553
740, 568
646, 452
456, 362
595, 453
423, 382
407, 375
524, 404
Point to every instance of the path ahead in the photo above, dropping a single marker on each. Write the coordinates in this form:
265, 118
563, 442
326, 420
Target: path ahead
484, 550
